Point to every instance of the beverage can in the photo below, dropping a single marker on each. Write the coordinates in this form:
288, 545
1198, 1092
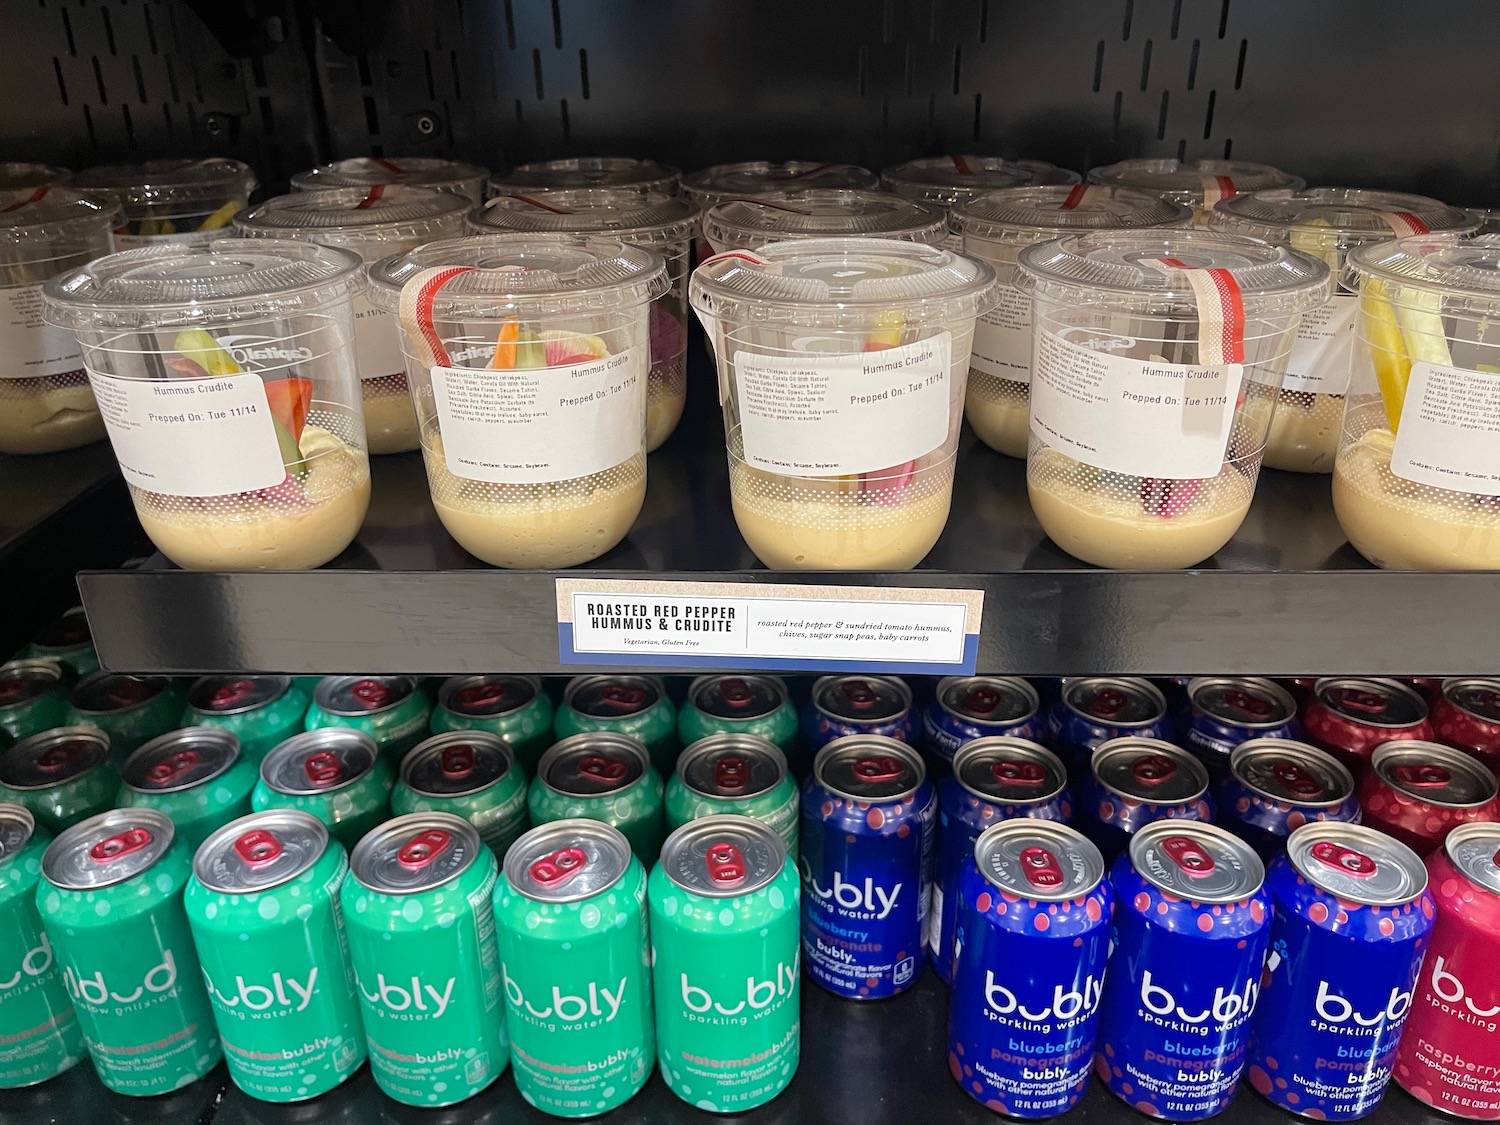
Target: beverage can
603, 776
62, 775
1091, 710
868, 837
993, 778
261, 711
968, 707
725, 951
390, 709
1191, 927
67, 640
1224, 711
1277, 785
575, 963
1135, 781
33, 697
515, 708
111, 904
471, 774
1466, 716
858, 704
637, 706
132, 710
739, 703
1349, 717
1032, 937
1418, 792
1350, 925
742, 774
422, 940
194, 775
337, 774
264, 910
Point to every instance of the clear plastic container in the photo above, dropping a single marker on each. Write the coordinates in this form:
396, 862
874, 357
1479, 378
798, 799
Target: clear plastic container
1157, 357
619, 172
1416, 485
374, 223
225, 374
842, 364
777, 216
528, 357
462, 179
1198, 184
45, 401
660, 222
1326, 223
189, 202
17, 177
757, 177
995, 228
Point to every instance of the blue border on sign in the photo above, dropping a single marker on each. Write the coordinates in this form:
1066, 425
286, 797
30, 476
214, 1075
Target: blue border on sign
566, 654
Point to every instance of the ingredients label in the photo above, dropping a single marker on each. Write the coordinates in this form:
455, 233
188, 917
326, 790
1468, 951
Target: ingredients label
826, 415
1002, 337
1324, 348
377, 341
533, 425
1143, 417
30, 346
1450, 430
191, 437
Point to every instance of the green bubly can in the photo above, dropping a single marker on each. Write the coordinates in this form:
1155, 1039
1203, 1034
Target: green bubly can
605, 777
69, 641
61, 776
735, 774
111, 903
261, 711
33, 698
726, 947
336, 774
470, 774
132, 710
513, 707
422, 937
263, 903
635, 705
575, 966
39, 1034
195, 775
393, 710
739, 704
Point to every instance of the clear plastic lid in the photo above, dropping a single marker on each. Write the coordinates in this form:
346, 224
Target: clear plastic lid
756, 177
372, 221
20, 176
1189, 183
419, 171
1024, 215
54, 225
1045, 172
588, 172
649, 218
170, 185
820, 213
1449, 263
946, 180
518, 275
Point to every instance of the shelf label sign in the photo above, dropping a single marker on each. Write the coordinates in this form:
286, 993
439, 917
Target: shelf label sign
789, 628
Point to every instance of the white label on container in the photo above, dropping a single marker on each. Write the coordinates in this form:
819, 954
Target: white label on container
125, 241
191, 437
1324, 348
827, 415
377, 341
29, 347
1002, 337
1142, 417
533, 425
1450, 430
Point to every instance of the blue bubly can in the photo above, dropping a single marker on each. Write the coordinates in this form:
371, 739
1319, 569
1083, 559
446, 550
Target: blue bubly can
1135, 781
868, 836
1094, 709
993, 779
968, 707
845, 705
1033, 936
1353, 914
1276, 785
1224, 711
1192, 922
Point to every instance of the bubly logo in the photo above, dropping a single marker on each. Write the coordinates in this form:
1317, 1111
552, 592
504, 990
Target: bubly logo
249, 350
95, 992
596, 1003
758, 994
1448, 988
1333, 1008
284, 993
1064, 1006
38, 960
863, 898
1226, 1006
419, 997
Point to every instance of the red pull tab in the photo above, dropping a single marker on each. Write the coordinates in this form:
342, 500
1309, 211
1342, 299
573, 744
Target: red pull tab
232, 693
1041, 868
1297, 780
1354, 699
423, 848
1344, 859
371, 198
457, 761
1154, 769
736, 693
883, 768
258, 847
373, 693
982, 702
726, 863
171, 768
323, 768
622, 699
128, 691
731, 773
1188, 855
601, 768
481, 695
1421, 775
859, 694
1018, 773
1250, 706
1108, 703
59, 757
556, 869
121, 844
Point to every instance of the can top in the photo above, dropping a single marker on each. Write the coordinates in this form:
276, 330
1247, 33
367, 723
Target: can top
861, 699
612, 697
23, 680
1009, 770
70, 631
723, 856
1475, 850
105, 693
181, 759
1149, 770
988, 699
1371, 702
1247, 702
457, 763
869, 767
737, 697
1187, 183
567, 860
731, 766
593, 764
414, 853
234, 695
53, 757
352, 696
1433, 774
1356, 864
1196, 861
487, 696
17, 826
587, 172
319, 761
1119, 701
1294, 772
107, 849
1475, 695
1038, 860
260, 851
